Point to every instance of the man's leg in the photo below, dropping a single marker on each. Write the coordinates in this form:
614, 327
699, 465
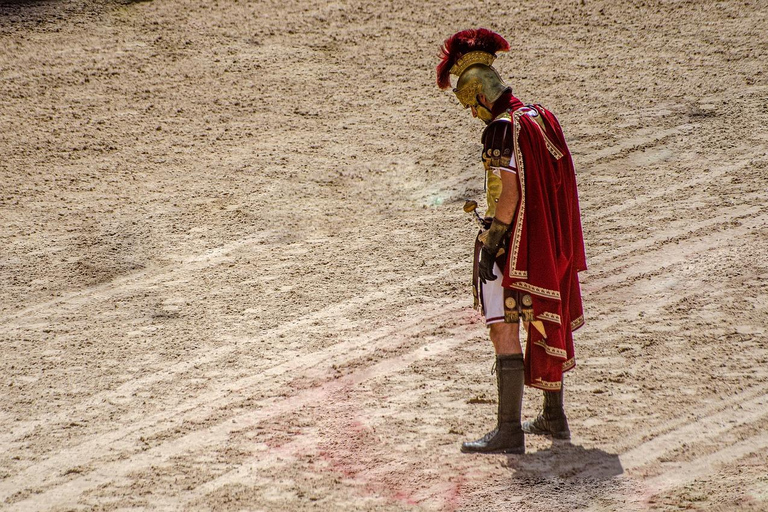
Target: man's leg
508, 436
506, 338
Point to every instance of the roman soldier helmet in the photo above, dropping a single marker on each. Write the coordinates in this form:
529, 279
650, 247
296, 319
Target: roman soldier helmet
468, 55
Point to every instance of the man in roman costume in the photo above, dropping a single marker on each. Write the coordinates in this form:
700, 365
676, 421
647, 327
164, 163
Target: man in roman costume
528, 258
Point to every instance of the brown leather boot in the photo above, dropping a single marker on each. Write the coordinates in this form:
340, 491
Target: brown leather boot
508, 436
552, 420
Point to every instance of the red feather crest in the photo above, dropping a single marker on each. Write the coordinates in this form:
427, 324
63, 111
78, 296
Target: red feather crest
461, 43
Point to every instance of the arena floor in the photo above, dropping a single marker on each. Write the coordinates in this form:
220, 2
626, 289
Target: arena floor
234, 265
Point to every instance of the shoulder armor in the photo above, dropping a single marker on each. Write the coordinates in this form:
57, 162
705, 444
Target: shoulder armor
498, 142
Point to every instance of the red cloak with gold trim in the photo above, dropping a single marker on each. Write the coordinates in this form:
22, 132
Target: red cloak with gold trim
546, 249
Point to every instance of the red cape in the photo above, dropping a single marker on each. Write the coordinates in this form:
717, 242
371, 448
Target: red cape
546, 249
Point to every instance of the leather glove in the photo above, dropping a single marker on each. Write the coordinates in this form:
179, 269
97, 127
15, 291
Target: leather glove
490, 249
485, 267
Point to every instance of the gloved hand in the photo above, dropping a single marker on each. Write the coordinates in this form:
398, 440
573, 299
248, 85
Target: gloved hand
485, 266
491, 242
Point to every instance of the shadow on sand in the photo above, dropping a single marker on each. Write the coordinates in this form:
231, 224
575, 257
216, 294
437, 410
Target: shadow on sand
566, 461
562, 477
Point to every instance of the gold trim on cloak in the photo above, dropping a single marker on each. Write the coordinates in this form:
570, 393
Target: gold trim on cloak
551, 351
517, 233
546, 385
551, 317
536, 290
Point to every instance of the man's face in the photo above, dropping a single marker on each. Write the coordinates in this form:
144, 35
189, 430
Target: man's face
482, 109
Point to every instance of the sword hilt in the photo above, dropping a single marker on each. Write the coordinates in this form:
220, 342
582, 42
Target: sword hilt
470, 206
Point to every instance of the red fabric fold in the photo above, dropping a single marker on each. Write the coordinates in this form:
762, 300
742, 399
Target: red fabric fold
546, 249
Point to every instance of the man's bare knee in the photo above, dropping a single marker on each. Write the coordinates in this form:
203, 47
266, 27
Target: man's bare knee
506, 338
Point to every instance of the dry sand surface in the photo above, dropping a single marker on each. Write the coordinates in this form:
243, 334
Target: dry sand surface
234, 266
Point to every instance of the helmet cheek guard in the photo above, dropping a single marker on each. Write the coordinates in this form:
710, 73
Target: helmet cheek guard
467, 95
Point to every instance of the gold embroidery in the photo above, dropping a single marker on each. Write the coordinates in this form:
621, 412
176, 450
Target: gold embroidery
536, 290
569, 364
551, 351
552, 148
546, 385
577, 323
556, 153
517, 232
552, 317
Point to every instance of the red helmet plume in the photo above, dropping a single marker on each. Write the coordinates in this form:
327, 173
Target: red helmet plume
461, 43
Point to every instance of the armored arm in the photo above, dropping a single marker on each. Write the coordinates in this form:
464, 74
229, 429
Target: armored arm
498, 159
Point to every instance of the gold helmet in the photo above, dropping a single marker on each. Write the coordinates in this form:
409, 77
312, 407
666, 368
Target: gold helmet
468, 55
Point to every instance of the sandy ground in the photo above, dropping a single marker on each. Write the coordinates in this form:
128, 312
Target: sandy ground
234, 265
